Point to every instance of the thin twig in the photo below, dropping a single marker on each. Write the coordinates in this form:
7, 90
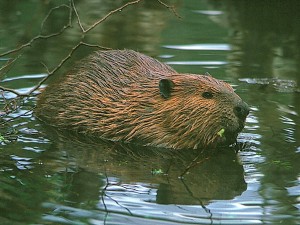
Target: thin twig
95, 46
77, 16
111, 13
52, 10
102, 196
33, 40
12, 91
6, 67
193, 164
62, 62
170, 7
50, 73
40, 36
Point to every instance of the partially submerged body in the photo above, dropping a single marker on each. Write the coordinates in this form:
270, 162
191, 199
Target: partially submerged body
129, 97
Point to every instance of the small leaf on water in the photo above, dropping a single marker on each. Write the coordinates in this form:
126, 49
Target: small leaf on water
156, 171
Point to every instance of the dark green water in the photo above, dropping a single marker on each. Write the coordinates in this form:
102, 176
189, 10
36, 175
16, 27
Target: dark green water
48, 178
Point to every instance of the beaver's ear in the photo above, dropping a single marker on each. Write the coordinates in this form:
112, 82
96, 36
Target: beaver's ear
165, 87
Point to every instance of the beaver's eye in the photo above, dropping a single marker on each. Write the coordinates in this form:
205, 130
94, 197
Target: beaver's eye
207, 95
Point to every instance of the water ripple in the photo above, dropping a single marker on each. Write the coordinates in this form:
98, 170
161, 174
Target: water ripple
22, 77
200, 47
198, 63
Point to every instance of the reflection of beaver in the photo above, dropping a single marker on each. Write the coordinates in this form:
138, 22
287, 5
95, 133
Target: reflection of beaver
127, 96
205, 178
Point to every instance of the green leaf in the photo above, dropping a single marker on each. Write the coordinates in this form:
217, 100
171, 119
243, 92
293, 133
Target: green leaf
221, 132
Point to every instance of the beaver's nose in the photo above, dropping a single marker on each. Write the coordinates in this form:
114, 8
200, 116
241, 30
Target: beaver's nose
241, 110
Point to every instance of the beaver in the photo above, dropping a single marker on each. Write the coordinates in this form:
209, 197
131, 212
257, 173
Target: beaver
123, 95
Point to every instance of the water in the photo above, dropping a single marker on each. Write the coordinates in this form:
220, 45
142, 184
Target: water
50, 178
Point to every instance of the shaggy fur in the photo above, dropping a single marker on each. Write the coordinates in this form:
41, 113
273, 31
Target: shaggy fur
115, 95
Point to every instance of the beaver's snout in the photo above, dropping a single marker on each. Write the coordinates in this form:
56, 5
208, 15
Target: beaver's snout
241, 110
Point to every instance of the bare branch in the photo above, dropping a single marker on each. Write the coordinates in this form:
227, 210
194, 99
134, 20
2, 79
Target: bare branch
46, 67
170, 7
111, 13
77, 16
40, 36
194, 163
33, 40
95, 46
6, 67
12, 91
62, 62
52, 10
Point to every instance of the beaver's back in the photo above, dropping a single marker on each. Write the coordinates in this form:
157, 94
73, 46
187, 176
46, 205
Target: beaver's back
105, 73
121, 68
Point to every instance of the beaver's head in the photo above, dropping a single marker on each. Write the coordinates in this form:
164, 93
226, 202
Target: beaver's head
199, 111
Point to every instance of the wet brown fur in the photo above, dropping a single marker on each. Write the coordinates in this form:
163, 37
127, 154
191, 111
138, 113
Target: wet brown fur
115, 95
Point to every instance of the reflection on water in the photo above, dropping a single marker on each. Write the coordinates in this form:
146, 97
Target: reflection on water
265, 41
47, 178
116, 177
